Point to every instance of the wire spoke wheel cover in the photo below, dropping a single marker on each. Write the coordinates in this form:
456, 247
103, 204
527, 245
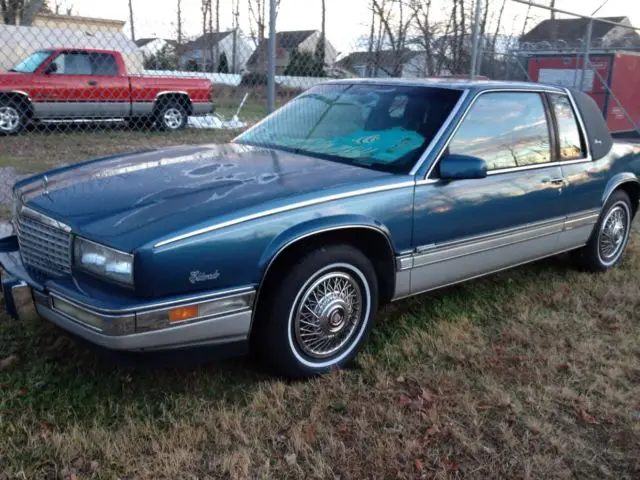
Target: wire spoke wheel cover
9, 118
172, 118
613, 233
329, 314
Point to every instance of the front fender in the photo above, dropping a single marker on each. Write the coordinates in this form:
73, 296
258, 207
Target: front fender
317, 226
617, 180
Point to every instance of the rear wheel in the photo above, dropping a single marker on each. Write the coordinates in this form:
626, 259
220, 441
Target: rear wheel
13, 116
610, 236
171, 116
320, 314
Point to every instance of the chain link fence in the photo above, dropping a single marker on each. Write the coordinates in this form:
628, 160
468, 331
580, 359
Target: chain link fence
74, 87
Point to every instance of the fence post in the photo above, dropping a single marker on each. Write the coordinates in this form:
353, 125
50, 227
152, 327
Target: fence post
587, 47
476, 34
271, 74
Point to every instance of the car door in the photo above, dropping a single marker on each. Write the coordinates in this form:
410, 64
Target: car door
466, 228
585, 179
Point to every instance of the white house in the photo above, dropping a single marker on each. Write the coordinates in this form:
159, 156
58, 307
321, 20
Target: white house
288, 42
206, 51
151, 46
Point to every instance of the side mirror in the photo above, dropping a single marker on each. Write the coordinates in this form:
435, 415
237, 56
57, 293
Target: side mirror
51, 68
462, 167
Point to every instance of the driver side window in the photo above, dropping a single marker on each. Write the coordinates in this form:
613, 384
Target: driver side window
506, 130
72, 64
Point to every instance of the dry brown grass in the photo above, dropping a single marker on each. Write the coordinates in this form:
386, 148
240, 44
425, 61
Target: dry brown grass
534, 373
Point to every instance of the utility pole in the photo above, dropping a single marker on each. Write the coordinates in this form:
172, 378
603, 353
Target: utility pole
476, 35
236, 16
271, 74
133, 28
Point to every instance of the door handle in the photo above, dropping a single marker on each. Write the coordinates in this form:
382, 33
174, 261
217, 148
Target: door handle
93, 83
554, 181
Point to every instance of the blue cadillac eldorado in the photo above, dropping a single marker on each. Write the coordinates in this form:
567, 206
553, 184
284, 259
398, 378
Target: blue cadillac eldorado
287, 240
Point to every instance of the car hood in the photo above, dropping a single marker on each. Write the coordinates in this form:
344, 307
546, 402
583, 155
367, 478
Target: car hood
129, 200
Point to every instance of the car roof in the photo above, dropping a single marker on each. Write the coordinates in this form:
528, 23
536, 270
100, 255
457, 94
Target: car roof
452, 83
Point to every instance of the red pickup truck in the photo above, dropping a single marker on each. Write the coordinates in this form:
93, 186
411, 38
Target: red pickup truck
82, 84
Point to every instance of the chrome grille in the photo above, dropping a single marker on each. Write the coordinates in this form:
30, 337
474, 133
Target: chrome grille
44, 248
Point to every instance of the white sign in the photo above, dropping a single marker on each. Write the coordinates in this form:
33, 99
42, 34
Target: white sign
567, 77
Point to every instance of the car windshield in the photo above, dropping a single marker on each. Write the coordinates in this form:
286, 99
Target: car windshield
31, 63
383, 127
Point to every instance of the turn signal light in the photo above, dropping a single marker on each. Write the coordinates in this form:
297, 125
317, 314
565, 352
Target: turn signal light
183, 313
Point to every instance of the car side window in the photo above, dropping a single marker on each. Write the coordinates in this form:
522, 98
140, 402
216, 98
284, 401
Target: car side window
506, 130
73, 63
569, 137
104, 64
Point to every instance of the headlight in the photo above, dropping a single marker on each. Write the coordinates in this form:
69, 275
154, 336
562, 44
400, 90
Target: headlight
103, 261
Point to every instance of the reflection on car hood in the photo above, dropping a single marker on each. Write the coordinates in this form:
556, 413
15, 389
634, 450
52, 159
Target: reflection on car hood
129, 200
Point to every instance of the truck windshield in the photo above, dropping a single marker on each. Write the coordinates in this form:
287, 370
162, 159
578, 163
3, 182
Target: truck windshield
31, 63
383, 127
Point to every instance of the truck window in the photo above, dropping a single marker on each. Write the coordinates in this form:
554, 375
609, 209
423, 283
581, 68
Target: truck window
73, 63
104, 64
506, 130
569, 136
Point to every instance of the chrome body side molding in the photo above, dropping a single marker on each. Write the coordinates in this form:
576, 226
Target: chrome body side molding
439, 265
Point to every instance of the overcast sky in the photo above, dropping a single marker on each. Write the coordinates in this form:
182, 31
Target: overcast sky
346, 19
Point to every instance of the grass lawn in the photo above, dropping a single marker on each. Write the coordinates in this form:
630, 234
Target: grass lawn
531, 373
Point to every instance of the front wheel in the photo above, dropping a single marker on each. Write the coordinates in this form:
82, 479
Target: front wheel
610, 236
321, 313
12, 117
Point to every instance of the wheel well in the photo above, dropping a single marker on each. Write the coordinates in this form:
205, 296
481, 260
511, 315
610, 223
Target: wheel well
373, 243
179, 98
633, 190
21, 99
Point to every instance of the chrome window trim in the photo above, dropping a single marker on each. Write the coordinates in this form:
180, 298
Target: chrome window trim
526, 167
285, 208
447, 123
583, 129
144, 307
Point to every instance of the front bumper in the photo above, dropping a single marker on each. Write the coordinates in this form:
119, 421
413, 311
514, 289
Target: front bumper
223, 317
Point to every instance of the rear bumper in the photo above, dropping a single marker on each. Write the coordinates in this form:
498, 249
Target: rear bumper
224, 318
202, 108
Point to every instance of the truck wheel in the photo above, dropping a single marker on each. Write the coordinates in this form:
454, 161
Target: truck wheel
320, 314
610, 236
12, 117
171, 116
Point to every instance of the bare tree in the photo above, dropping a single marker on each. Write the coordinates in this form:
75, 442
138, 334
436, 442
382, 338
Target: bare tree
395, 22
131, 21
20, 12
258, 25
179, 26
59, 7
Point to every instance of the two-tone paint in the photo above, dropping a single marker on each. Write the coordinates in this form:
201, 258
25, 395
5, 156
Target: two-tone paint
65, 96
229, 212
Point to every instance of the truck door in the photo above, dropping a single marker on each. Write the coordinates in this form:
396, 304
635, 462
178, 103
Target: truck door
69, 88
